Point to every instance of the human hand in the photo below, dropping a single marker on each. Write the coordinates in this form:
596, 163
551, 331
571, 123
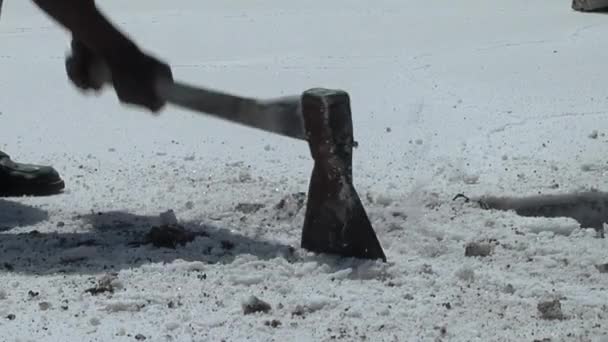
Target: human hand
133, 74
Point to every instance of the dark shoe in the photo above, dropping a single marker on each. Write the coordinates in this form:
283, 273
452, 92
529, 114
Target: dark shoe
17, 179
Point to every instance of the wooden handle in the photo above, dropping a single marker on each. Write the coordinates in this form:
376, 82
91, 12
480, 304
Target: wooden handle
281, 116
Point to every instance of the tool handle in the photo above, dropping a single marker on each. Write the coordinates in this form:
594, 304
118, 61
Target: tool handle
281, 116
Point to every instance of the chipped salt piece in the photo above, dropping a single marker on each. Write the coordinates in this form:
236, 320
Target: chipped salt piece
316, 303
466, 273
550, 310
384, 200
78, 254
593, 134
106, 283
253, 304
481, 249
172, 326
603, 268
245, 176
509, 289
470, 179
247, 279
341, 274
125, 306
353, 314
274, 323
249, 208
169, 236
168, 217
290, 205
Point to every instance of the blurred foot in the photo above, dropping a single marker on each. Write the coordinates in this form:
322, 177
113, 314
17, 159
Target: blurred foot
18, 179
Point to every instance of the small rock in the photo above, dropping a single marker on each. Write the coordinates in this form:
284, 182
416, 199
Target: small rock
249, 208
481, 249
602, 268
60, 224
388, 129
253, 304
550, 309
44, 306
140, 337
32, 294
10, 317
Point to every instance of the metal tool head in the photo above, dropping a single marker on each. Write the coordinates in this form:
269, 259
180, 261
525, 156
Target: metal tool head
335, 221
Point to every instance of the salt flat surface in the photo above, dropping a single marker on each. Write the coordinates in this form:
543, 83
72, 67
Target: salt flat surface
504, 101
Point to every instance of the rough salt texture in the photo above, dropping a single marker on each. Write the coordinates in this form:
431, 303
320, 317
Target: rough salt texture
476, 105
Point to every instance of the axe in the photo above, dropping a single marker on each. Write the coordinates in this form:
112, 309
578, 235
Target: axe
335, 219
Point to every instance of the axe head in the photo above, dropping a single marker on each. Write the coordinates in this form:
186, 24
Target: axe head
335, 221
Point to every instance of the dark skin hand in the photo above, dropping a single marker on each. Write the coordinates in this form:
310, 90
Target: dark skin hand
95, 41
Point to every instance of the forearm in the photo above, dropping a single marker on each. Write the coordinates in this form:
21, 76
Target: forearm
89, 26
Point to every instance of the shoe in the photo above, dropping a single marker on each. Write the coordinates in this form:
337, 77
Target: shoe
17, 179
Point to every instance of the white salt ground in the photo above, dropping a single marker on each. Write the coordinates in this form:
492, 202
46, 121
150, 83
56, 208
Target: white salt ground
481, 98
